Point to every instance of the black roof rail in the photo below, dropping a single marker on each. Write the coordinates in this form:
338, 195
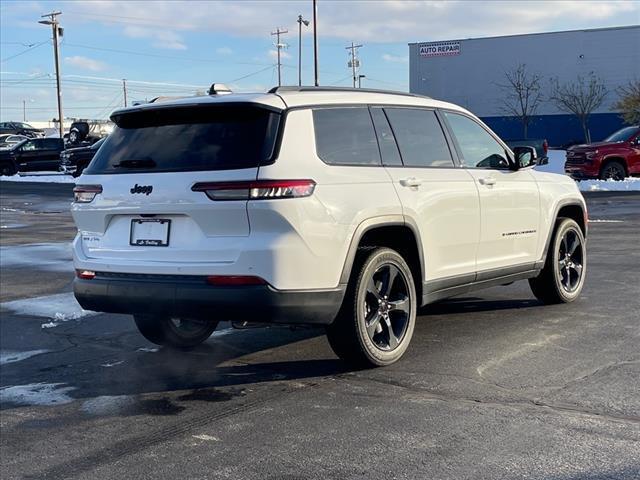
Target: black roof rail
284, 89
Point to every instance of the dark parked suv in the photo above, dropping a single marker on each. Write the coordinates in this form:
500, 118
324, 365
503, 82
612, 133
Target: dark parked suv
19, 128
30, 155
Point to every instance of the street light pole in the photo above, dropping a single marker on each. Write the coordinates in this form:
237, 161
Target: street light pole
57, 31
315, 44
124, 90
24, 110
306, 24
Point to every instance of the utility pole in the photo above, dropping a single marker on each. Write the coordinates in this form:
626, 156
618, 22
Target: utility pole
24, 110
354, 63
306, 24
279, 45
124, 90
315, 44
57, 32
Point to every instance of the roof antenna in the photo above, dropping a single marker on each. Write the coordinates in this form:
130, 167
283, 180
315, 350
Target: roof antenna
219, 89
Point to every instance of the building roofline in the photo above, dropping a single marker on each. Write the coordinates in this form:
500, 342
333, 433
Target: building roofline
624, 27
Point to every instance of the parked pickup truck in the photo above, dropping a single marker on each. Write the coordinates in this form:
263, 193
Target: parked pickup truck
615, 158
32, 154
541, 145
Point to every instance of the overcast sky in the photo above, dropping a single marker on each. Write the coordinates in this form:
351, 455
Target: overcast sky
190, 44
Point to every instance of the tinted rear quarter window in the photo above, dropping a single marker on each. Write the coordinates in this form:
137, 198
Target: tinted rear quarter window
345, 136
420, 137
188, 139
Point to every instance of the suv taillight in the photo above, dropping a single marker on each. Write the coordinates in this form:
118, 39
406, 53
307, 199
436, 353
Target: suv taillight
256, 190
86, 193
545, 146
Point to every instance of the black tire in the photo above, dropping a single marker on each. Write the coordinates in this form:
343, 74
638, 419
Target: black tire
174, 332
613, 170
562, 277
8, 169
376, 321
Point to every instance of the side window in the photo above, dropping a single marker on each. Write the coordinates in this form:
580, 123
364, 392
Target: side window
386, 141
50, 144
29, 146
420, 137
345, 136
478, 148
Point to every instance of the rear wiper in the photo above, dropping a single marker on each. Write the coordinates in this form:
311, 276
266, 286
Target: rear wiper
136, 163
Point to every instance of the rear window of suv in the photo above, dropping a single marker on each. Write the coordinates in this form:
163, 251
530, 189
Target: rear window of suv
345, 136
176, 139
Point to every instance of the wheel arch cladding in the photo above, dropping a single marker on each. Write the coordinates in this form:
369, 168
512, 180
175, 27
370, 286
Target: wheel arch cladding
400, 238
575, 212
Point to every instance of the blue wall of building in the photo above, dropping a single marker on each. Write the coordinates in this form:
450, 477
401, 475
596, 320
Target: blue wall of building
557, 129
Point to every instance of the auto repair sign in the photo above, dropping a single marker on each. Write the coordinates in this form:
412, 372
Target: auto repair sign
439, 49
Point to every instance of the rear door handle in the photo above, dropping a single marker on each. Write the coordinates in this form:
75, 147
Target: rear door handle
487, 181
411, 182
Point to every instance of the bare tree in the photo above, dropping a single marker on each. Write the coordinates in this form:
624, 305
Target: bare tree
629, 102
522, 95
580, 97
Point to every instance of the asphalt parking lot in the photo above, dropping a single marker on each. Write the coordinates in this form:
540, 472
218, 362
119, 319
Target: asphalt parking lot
494, 385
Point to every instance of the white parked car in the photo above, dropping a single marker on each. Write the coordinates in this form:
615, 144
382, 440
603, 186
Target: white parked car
341, 207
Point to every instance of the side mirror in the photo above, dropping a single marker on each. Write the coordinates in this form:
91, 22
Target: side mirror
525, 157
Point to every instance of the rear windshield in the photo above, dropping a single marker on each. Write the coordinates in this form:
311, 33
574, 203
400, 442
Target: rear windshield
188, 139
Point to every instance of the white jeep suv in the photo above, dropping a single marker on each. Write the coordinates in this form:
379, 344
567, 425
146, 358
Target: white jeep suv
340, 207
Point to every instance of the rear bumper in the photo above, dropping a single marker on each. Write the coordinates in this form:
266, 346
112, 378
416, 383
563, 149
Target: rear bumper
191, 296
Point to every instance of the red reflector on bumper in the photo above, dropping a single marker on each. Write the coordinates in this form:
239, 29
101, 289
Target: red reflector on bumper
85, 274
234, 280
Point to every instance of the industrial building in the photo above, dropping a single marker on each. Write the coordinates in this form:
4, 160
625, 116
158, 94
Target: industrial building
471, 73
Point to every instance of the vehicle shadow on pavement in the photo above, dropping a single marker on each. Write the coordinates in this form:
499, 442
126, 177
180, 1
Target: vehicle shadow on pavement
116, 364
110, 359
475, 305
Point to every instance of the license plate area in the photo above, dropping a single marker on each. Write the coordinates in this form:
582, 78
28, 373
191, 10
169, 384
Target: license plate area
150, 232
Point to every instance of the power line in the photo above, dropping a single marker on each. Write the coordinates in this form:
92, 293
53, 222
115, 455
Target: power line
24, 51
155, 55
137, 20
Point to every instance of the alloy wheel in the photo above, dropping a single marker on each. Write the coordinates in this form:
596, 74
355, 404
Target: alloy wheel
613, 172
387, 307
570, 261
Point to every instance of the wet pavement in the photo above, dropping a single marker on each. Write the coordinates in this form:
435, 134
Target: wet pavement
494, 385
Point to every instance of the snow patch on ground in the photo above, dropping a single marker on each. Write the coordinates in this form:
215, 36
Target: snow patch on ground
8, 356
112, 364
41, 256
626, 185
556, 165
107, 404
205, 437
599, 220
41, 177
59, 308
37, 394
